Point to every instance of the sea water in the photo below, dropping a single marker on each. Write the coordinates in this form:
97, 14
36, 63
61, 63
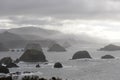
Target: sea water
95, 69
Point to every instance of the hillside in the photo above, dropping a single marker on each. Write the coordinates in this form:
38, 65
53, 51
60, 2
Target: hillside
19, 37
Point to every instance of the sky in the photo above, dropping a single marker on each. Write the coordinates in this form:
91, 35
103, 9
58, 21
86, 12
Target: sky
96, 18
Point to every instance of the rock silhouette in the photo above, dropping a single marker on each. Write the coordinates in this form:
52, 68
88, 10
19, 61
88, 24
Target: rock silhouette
17, 61
81, 55
58, 65
110, 47
108, 57
6, 78
32, 55
37, 66
12, 65
3, 69
33, 46
6, 60
56, 48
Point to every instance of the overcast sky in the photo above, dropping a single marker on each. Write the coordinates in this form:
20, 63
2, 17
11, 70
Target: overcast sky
100, 18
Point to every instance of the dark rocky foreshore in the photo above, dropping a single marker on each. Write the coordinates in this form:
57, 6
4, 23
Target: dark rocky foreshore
37, 78
30, 78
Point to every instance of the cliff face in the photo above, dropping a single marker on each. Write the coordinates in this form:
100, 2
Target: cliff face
3, 48
11, 40
32, 55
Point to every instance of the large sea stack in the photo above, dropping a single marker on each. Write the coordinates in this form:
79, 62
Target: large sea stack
32, 55
56, 48
81, 55
110, 47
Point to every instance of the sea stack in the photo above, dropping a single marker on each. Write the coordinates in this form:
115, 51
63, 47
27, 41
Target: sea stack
110, 47
107, 57
56, 48
58, 65
81, 55
32, 55
37, 66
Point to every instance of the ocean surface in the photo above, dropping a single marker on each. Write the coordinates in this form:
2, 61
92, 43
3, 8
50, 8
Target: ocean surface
85, 69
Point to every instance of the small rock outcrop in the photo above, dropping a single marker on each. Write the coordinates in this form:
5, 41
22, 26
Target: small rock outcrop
12, 65
56, 48
37, 66
3, 48
33, 46
6, 60
12, 50
3, 69
81, 55
32, 55
110, 47
58, 65
17, 61
107, 57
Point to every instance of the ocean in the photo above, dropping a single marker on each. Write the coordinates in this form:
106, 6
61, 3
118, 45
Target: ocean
85, 69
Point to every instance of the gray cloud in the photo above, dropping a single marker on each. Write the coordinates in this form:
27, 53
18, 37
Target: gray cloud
91, 17
35, 21
61, 8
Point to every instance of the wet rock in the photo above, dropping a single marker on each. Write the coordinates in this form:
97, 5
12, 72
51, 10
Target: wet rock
3, 69
12, 65
37, 66
6, 60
